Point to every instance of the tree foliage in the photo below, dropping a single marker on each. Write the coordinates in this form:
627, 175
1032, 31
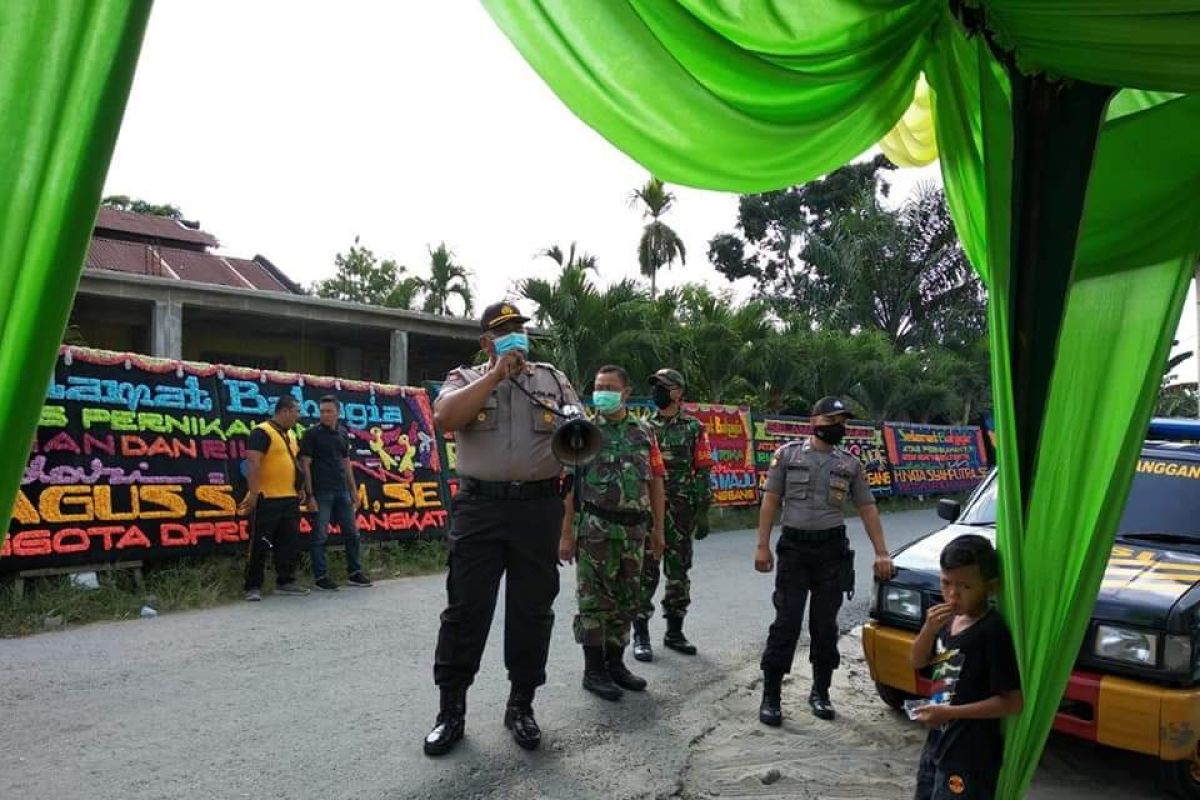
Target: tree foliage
745, 353
833, 253
447, 279
660, 245
360, 277
123, 202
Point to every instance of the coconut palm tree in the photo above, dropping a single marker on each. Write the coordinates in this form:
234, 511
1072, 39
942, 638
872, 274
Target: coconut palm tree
446, 279
660, 244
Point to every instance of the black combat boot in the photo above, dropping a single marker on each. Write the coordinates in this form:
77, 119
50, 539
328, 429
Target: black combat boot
641, 640
818, 699
518, 717
451, 722
595, 674
770, 712
620, 673
675, 639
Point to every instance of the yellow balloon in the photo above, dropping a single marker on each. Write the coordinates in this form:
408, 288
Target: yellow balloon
913, 141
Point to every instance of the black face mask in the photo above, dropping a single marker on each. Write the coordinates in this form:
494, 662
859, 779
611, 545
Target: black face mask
662, 396
831, 434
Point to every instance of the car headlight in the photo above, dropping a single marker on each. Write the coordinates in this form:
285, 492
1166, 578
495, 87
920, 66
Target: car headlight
1128, 646
1177, 654
901, 602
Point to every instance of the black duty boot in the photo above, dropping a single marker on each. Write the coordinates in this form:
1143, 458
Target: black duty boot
770, 712
518, 717
595, 674
451, 722
818, 699
620, 673
641, 640
675, 639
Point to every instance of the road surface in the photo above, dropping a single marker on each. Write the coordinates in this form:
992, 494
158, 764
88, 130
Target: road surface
329, 696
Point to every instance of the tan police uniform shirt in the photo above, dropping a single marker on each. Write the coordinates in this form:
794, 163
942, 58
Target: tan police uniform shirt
814, 485
509, 438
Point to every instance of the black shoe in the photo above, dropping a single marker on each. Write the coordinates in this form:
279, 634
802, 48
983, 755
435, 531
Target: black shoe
518, 718
359, 580
451, 723
770, 712
675, 639
821, 707
325, 584
641, 640
595, 675
620, 673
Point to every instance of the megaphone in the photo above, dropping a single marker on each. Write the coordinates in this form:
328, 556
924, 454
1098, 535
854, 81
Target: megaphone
576, 441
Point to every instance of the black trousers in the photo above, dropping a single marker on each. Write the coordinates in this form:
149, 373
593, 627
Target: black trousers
490, 538
804, 568
274, 530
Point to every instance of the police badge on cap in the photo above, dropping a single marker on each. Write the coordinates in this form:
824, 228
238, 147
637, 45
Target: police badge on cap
500, 313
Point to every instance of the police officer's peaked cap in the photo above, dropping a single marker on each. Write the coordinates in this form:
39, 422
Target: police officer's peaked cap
831, 407
500, 313
670, 378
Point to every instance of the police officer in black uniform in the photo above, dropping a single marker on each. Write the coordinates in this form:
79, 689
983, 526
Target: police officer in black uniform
812, 479
507, 518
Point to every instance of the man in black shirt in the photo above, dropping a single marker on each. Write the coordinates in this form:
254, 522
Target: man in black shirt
976, 679
329, 480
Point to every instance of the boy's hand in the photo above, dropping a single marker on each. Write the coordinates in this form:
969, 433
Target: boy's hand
933, 716
938, 616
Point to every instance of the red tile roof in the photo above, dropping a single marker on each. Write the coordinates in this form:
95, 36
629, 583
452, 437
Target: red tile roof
151, 227
187, 265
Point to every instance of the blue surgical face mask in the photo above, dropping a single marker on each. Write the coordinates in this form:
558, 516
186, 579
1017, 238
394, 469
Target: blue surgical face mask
511, 341
607, 402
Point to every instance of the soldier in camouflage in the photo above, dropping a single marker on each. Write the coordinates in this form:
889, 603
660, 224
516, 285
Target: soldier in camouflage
620, 505
688, 460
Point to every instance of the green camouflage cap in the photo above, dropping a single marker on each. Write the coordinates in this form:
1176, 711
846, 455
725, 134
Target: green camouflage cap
668, 377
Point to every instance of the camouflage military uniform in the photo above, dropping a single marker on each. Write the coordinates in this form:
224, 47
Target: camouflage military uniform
612, 527
688, 459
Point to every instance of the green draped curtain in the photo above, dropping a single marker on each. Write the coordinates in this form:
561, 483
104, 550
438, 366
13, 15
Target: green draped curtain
65, 71
750, 96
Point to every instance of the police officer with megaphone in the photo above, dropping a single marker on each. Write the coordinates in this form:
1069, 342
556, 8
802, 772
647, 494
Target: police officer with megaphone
513, 421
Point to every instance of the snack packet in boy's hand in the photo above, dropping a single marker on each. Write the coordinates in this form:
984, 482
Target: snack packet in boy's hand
912, 706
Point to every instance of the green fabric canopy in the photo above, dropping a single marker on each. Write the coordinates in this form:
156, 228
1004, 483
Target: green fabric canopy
65, 71
1066, 133
1068, 146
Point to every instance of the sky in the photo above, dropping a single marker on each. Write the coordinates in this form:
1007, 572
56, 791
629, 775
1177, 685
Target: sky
288, 129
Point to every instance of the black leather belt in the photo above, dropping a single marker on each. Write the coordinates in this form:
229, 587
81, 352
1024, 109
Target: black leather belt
617, 517
808, 535
509, 490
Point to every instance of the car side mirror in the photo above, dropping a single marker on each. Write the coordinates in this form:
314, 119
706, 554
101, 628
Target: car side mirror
949, 510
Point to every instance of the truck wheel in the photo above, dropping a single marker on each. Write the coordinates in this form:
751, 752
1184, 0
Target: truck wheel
1181, 778
893, 697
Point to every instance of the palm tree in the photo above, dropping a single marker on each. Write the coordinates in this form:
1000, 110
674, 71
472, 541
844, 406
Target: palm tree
588, 327
446, 278
660, 244
570, 259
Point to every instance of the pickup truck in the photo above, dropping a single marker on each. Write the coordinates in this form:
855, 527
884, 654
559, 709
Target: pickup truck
1136, 682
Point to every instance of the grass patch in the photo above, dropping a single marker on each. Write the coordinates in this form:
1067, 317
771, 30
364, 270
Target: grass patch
183, 584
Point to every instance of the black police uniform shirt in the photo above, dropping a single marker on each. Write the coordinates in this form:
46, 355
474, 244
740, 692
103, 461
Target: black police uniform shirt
328, 448
976, 664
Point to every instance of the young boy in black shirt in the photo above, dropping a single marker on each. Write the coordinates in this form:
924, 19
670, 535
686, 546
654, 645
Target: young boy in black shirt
976, 680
